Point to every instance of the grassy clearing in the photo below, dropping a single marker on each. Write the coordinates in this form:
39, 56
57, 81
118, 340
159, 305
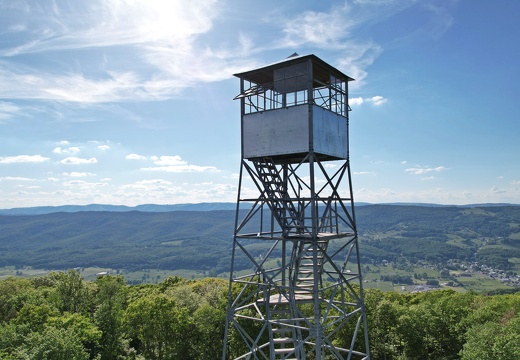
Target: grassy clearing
9, 271
480, 282
172, 243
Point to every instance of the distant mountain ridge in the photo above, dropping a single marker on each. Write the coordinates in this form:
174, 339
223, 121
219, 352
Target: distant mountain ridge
207, 206
41, 210
157, 237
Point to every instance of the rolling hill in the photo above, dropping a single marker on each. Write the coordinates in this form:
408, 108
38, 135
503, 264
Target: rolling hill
130, 239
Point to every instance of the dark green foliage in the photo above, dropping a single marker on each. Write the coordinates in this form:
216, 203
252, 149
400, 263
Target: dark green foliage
497, 257
184, 319
397, 279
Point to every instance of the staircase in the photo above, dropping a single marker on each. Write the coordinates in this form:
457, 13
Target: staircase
281, 205
304, 269
283, 341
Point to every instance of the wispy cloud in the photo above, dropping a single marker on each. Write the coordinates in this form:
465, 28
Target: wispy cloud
157, 190
168, 160
8, 110
135, 157
163, 37
165, 42
84, 185
105, 23
149, 185
421, 170
70, 151
333, 29
175, 164
496, 190
78, 174
182, 168
322, 29
22, 159
441, 19
15, 178
72, 160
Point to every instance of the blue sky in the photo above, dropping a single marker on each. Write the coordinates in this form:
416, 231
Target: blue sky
130, 102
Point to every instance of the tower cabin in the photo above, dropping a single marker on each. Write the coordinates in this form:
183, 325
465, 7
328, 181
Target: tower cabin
293, 108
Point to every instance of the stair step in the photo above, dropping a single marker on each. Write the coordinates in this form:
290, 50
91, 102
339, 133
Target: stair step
283, 340
306, 266
284, 351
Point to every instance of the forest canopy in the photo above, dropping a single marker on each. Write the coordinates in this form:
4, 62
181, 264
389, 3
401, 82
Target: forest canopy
62, 316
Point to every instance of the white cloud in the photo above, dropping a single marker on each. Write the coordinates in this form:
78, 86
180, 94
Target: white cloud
70, 151
175, 164
322, 29
377, 100
152, 184
182, 168
332, 29
15, 178
135, 157
84, 185
371, 173
356, 101
78, 174
165, 42
72, 160
8, 110
22, 159
161, 37
103, 147
105, 23
169, 160
420, 170
495, 190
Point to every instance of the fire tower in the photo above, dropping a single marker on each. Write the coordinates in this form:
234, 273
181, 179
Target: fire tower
295, 282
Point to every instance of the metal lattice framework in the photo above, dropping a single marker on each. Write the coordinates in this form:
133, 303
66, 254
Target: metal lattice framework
295, 284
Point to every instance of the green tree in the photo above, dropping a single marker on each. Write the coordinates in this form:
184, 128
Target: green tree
71, 293
494, 328
162, 330
11, 337
209, 332
382, 314
81, 328
34, 316
493, 340
108, 316
51, 344
14, 293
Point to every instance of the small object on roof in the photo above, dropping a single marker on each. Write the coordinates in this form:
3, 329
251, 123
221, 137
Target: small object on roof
293, 55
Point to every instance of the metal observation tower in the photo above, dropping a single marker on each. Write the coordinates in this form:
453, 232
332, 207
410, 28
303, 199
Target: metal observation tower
295, 282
